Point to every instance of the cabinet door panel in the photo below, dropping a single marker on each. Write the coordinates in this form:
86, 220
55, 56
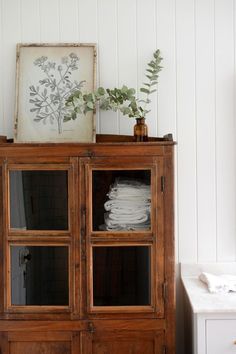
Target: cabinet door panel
121, 276
39, 348
42, 343
125, 342
221, 336
38, 199
125, 229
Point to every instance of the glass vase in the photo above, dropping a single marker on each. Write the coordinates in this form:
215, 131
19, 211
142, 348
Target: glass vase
140, 130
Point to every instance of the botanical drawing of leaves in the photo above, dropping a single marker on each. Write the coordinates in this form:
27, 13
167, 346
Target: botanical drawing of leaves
53, 89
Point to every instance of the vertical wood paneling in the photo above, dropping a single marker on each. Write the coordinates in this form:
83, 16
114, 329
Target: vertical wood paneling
30, 21
225, 129
186, 130
127, 55
166, 108
205, 109
88, 33
108, 61
195, 100
68, 17
11, 20
166, 113
146, 45
50, 21
88, 21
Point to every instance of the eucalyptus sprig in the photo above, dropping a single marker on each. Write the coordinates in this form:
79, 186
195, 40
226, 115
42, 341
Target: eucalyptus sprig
153, 70
122, 99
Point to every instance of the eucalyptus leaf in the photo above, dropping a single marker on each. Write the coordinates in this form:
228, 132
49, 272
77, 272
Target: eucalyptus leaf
144, 90
90, 105
122, 99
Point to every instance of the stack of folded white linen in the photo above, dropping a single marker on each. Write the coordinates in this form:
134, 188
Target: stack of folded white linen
128, 207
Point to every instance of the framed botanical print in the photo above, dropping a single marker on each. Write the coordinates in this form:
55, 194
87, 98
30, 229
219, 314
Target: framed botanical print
46, 76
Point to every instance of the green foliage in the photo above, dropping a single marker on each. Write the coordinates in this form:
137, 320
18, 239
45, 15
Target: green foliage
122, 99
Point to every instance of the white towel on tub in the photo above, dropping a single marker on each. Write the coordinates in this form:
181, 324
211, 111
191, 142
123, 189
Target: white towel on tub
219, 283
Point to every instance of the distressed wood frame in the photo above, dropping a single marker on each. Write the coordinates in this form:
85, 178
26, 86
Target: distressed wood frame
37, 86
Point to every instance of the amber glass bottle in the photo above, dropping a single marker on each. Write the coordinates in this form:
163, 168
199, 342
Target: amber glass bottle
140, 130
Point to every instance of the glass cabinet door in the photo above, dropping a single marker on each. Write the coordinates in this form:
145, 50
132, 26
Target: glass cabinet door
122, 276
39, 275
40, 228
121, 200
38, 199
125, 237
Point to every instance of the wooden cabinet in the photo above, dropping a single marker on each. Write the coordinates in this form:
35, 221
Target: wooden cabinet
87, 247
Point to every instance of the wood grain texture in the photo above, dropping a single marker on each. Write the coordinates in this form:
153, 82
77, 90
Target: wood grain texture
117, 342
11, 34
83, 327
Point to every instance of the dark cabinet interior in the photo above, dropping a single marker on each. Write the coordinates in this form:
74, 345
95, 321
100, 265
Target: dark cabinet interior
121, 276
38, 200
39, 275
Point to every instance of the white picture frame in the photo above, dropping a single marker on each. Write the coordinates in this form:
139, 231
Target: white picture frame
46, 75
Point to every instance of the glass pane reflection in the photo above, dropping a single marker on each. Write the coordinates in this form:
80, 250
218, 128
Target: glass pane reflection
39, 200
121, 276
39, 275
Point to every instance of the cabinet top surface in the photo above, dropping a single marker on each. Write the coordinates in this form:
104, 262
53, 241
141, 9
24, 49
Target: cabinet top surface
109, 145
201, 300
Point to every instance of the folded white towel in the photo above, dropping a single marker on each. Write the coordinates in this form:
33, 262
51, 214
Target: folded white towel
120, 181
120, 204
124, 221
219, 283
129, 218
129, 205
130, 227
130, 194
129, 211
129, 188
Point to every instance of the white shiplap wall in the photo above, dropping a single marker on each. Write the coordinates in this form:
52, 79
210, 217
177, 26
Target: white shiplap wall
195, 101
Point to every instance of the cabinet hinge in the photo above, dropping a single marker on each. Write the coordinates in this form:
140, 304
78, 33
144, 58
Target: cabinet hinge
164, 349
162, 183
164, 290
